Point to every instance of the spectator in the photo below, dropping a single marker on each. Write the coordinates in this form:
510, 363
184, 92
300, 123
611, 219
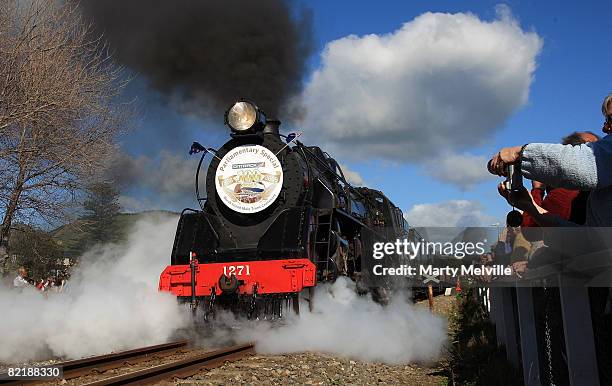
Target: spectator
21, 280
40, 285
499, 253
511, 248
517, 248
582, 167
59, 284
566, 203
48, 285
579, 137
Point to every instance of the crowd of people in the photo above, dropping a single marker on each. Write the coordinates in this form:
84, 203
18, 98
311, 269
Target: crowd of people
49, 285
571, 189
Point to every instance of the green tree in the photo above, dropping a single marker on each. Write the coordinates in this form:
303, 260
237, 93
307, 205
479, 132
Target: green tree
36, 250
101, 210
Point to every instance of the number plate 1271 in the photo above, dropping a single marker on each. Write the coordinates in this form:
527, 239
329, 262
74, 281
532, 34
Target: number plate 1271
237, 270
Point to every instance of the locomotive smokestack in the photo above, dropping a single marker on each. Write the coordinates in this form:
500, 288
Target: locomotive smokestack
271, 126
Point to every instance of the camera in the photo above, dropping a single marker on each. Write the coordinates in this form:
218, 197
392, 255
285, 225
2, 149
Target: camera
514, 177
512, 183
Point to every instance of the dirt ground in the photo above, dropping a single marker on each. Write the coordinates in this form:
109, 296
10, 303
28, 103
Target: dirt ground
324, 369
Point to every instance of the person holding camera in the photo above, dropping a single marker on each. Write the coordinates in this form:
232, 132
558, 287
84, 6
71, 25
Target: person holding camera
585, 167
567, 203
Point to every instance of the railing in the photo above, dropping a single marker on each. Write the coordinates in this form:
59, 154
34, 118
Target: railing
556, 322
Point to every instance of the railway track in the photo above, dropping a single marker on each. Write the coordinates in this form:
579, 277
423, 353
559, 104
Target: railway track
177, 368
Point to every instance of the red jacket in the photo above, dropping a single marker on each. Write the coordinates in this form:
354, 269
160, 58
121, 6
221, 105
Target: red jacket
558, 201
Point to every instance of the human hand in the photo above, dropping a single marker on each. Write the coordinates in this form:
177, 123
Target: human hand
506, 156
538, 185
520, 199
519, 267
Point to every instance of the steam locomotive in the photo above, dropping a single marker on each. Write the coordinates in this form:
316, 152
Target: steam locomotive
278, 218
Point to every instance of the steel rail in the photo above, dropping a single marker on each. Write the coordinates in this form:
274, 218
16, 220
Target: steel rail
80, 367
179, 369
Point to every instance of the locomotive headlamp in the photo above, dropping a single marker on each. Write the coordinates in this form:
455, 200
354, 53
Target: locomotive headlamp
243, 116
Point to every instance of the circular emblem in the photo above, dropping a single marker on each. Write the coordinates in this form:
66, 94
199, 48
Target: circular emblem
249, 178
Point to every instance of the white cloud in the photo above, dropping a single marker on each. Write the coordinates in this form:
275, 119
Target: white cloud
353, 177
463, 170
454, 213
441, 83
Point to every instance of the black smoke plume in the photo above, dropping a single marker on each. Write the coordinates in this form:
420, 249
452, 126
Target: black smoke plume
210, 52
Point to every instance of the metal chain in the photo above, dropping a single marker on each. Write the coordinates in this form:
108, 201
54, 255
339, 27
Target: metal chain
547, 338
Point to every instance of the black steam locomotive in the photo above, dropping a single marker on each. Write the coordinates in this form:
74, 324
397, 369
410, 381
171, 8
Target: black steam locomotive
278, 218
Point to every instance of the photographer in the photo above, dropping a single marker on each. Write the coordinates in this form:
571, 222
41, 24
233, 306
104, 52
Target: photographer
582, 167
568, 204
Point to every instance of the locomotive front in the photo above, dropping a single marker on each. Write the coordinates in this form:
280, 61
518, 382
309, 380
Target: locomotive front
248, 248
278, 217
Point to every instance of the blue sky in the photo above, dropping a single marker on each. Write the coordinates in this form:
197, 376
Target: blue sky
571, 79
569, 82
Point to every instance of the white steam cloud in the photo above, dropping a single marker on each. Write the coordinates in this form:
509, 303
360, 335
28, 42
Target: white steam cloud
442, 83
112, 302
353, 326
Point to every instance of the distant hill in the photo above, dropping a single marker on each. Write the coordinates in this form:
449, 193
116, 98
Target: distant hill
71, 237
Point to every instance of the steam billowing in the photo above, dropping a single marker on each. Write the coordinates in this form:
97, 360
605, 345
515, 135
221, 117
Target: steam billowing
111, 303
348, 325
208, 53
